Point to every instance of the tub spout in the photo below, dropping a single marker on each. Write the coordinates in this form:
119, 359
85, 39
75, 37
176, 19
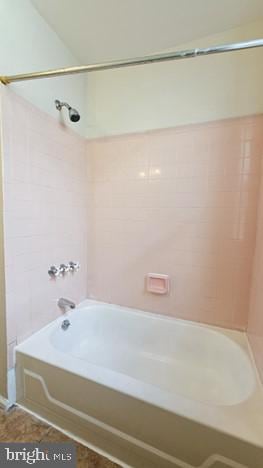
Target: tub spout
65, 304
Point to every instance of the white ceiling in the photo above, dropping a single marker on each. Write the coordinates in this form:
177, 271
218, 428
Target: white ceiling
98, 30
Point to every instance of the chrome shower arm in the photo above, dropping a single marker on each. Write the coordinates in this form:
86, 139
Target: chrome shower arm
60, 104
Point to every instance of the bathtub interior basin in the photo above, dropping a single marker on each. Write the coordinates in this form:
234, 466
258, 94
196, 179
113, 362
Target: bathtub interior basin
195, 361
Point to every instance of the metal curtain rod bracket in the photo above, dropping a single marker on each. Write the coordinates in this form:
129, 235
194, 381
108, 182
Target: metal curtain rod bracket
164, 57
4, 80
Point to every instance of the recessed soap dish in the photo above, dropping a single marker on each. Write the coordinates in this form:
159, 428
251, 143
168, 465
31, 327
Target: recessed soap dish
157, 284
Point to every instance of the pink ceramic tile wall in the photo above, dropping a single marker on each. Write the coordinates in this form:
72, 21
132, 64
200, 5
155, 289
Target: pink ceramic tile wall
255, 321
45, 214
181, 202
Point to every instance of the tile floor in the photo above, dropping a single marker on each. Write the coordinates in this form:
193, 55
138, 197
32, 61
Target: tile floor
18, 426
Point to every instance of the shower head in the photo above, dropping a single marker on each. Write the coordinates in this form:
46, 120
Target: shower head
73, 113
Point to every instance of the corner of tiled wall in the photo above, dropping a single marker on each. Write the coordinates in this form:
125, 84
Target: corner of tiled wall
255, 318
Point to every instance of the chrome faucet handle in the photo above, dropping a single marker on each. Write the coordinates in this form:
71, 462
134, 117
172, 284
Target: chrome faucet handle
73, 266
63, 269
53, 271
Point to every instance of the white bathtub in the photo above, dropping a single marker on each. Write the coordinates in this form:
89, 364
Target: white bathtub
146, 389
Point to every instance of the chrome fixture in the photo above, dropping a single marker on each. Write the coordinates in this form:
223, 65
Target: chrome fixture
73, 113
65, 304
65, 324
63, 268
53, 271
73, 266
148, 59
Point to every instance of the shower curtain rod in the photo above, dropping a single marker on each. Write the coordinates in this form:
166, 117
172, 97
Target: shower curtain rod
163, 57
